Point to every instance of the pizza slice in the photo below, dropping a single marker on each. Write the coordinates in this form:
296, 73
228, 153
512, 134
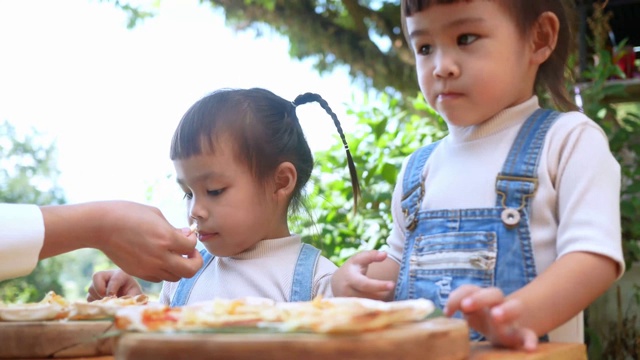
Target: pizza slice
106, 307
51, 307
217, 313
351, 315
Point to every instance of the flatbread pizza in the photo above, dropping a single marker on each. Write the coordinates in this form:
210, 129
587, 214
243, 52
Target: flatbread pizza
56, 307
347, 314
51, 307
106, 307
335, 315
218, 313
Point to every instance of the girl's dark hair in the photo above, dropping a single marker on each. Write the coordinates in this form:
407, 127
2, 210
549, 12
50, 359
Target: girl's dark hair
552, 73
264, 129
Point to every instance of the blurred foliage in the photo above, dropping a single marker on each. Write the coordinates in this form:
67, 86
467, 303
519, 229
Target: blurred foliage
385, 134
28, 174
135, 14
621, 122
335, 33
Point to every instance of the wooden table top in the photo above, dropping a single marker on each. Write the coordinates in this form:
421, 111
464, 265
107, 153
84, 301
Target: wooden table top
545, 351
484, 351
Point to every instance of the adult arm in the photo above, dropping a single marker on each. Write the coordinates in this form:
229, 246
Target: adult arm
136, 237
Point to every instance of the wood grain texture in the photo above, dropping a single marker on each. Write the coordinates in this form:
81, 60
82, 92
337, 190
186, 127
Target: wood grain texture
545, 351
437, 339
54, 339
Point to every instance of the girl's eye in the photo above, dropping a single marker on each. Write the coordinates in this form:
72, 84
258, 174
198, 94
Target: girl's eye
467, 39
187, 196
214, 192
424, 50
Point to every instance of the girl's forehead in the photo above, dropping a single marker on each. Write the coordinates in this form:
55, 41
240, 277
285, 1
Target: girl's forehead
457, 14
208, 166
452, 7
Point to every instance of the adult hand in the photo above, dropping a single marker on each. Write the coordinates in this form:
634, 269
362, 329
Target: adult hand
143, 244
136, 237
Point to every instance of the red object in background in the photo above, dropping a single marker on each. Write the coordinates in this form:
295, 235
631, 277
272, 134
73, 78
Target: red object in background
627, 61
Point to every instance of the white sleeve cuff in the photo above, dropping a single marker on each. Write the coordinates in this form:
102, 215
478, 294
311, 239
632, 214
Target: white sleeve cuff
21, 239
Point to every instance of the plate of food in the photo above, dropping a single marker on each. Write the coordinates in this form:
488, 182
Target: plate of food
50, 328
339, 328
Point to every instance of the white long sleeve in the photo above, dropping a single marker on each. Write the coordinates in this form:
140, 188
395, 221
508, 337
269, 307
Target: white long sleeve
21, 239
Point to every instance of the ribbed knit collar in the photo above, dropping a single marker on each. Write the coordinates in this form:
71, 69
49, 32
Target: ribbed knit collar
505, 119
269, 246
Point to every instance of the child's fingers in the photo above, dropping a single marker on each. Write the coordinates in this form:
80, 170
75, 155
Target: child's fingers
364, 258
99, 282
482, 298
507, 312
365, 285
457, 296
119, 283
516, 338
530, 342
93, 294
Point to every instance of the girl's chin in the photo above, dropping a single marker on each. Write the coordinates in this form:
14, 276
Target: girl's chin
219, 252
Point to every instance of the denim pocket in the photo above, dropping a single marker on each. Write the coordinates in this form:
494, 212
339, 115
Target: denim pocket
440, 263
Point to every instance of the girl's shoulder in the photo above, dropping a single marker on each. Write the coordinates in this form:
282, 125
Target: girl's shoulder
571, 119
325, 265
574, 124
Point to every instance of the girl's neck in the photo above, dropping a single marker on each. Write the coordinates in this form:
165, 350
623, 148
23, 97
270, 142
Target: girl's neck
502, 120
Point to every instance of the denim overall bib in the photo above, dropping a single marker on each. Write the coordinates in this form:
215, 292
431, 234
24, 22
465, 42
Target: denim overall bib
301, 289
445, 249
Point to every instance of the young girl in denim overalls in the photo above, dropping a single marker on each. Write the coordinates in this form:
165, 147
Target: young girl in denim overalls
512, 220
242, 160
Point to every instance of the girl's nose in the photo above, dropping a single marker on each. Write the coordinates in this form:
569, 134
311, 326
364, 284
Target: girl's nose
445, 66
196, 209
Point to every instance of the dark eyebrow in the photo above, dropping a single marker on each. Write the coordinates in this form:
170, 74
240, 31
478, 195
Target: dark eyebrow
452, 24
204, 176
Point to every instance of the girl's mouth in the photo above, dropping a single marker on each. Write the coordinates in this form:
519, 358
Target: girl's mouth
206, 236
448, 96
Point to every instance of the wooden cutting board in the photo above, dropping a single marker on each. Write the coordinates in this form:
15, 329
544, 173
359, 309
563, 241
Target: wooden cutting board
436, 339
57, 339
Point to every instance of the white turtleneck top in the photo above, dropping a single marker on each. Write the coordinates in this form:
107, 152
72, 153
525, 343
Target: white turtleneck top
265, 270
575, 207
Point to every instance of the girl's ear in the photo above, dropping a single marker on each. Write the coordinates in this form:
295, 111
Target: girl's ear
544, 37
285, 180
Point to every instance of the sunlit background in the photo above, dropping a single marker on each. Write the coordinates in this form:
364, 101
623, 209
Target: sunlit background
111, 97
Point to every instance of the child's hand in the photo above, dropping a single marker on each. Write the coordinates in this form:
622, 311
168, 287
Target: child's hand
351, 279
490, 313
112, 283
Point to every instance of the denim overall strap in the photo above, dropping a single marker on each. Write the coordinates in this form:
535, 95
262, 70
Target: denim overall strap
413, 183
517, 182
185, 285
302, 287
515, 185
412, 193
